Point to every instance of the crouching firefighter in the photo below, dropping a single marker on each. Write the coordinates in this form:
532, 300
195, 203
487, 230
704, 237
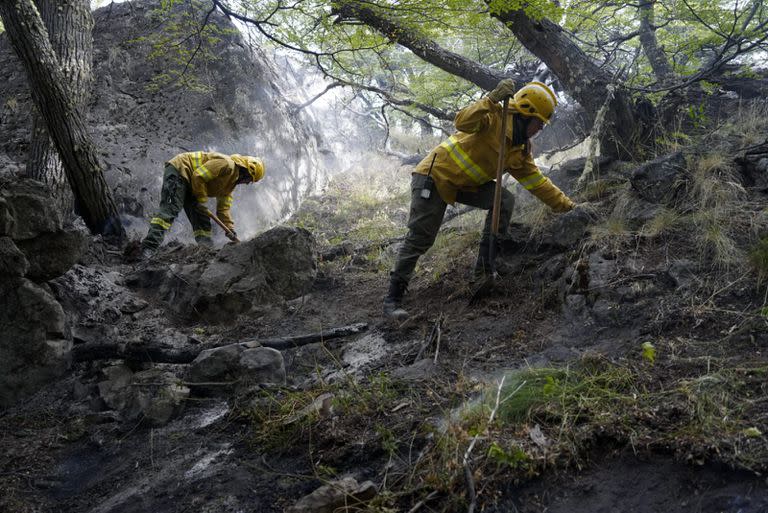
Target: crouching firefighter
462, 169
188, 180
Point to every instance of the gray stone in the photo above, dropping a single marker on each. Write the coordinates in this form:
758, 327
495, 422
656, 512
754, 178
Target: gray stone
27, 210
52, 254
419, 371
12, 260
236, 364
155, 396
35, 340
567, 229
661, 180
219, 363
115, 388
278, 264
342, 495
263, 365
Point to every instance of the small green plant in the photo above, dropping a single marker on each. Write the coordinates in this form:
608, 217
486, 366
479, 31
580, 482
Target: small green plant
697, 115
648, 352
514, 457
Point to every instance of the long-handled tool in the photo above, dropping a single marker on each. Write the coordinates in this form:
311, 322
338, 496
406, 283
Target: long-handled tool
224, 227
490, 280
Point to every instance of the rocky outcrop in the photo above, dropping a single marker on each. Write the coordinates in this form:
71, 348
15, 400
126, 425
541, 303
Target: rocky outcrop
278, 264
35, 338
149, 103
236, 365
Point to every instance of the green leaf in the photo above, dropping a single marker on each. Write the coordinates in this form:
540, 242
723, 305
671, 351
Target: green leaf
649, 352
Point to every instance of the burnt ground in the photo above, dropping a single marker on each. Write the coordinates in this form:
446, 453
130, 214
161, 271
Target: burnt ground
589, 421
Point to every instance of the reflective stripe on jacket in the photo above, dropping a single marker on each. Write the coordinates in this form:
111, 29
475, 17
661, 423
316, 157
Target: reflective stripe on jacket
210, 174
469, 158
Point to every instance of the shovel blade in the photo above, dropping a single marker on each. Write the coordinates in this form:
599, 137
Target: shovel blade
484, 289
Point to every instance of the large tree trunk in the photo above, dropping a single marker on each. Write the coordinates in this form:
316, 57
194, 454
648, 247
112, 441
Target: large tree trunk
581, 77
65, 121
70, 25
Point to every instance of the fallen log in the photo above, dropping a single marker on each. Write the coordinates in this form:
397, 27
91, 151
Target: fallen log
164, 353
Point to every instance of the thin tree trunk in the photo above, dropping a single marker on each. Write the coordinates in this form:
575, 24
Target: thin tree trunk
653, 52
69, 24
65, 121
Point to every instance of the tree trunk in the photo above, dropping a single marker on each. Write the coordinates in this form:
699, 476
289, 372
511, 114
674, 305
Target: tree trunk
581, 77
653, 52
70, 25
65, 121
453, 63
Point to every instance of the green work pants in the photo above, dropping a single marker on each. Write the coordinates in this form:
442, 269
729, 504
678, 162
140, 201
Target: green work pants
426, 216
175, 195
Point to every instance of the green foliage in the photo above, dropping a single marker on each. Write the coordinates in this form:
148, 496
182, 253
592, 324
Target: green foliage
648, 352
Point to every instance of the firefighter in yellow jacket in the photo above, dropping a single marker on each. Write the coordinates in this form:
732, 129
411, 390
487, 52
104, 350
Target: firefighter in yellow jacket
189, 180
462, 169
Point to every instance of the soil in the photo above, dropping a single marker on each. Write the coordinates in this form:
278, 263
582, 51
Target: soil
60, 451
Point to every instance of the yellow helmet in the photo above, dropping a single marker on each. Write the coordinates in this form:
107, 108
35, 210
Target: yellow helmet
536, 99
254, 165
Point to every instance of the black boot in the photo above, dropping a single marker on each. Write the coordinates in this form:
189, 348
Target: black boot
394, 299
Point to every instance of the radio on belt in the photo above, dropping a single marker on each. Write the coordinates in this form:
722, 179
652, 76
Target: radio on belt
429, 183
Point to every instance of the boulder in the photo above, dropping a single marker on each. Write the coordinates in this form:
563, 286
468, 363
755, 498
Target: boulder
661, 180
52, 254
278, 264
12, 261
26, 210
153, 396
236, 364
35, 340
566, 230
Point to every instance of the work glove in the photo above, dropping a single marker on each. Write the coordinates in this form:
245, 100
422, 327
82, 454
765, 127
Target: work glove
504, 89
231, 235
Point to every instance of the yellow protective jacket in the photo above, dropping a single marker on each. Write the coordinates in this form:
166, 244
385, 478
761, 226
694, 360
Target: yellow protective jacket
469, 158
210, 174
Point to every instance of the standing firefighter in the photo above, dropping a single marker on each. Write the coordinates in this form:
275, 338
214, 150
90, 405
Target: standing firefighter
189, 179
462, 169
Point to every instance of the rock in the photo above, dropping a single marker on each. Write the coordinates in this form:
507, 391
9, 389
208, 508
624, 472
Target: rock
154, 396
35, 339
52, 254
661, 180
342, 496
114, 390
567, 229
12, 261
236, 364
27, 210
421, 370
278, 264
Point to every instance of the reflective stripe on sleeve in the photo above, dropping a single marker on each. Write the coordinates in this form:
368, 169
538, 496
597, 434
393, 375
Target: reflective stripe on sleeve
225, 201
162, 223
204, 173
532, 181
202, 199
466, 164
202, 233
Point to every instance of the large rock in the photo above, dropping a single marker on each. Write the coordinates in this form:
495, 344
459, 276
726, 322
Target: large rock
278, 264
153, 396
35, 343
52, 254
30, 217
661, 180
12, 261
147, 106
26, 210
343, 495
236, 364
